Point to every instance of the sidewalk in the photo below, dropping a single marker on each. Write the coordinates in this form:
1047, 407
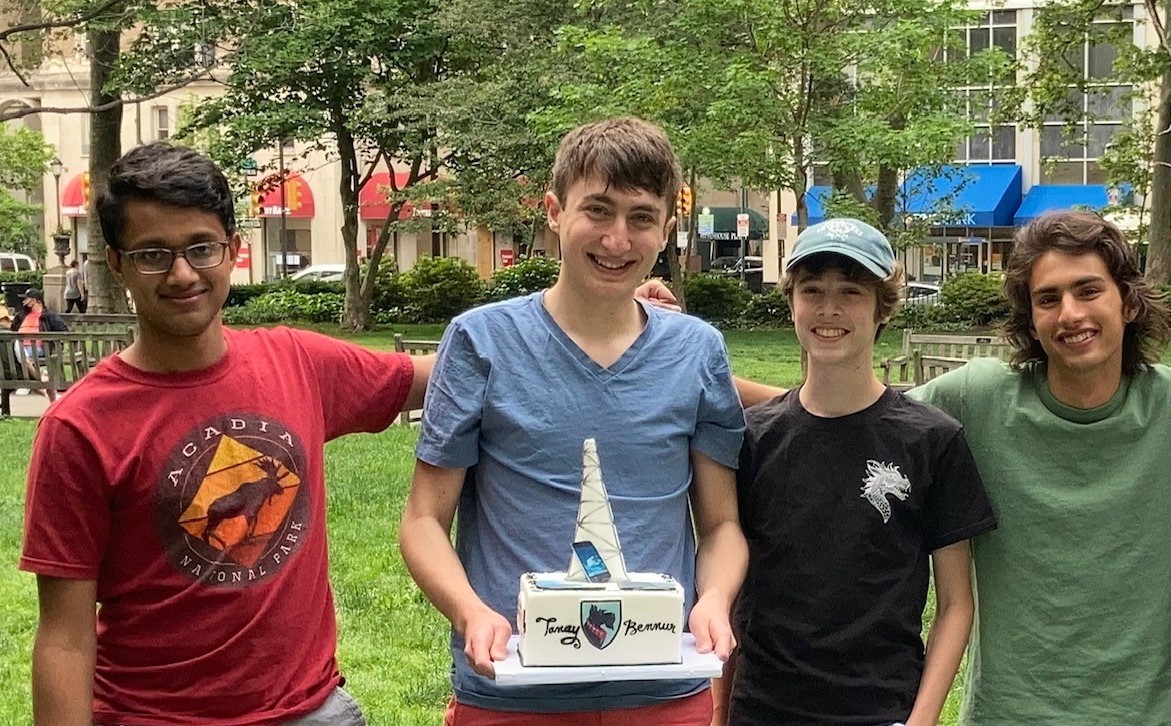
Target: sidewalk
30, 406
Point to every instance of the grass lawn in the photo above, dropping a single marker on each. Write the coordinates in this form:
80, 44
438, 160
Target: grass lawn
393, 644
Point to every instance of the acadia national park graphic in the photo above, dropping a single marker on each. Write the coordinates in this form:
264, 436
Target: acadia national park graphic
230, 506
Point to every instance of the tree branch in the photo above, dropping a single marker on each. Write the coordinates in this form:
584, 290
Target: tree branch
26, 111
12, 67
51, 24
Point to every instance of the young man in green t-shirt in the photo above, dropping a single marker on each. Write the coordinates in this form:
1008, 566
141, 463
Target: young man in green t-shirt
1071, 441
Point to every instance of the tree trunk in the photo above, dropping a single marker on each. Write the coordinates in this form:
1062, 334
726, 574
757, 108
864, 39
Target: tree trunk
1159, 233
106, 295
885, 195
356, 308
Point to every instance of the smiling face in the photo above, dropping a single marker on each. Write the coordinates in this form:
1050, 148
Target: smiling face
610, 237
835, 317
1079, 319
183, 303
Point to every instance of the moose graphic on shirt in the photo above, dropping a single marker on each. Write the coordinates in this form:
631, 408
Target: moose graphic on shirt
246, 501
881, 481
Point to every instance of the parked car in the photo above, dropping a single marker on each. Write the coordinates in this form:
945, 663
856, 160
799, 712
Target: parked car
920, 293
320, 273
16, 262
730, 265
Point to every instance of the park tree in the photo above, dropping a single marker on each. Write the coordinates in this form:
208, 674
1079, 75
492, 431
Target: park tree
40, 27
1083, 76
755, 93
24, 158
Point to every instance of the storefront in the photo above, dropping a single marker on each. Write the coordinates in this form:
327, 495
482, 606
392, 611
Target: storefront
286, 214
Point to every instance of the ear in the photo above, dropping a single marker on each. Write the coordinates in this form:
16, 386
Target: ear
114, 260
1129, 312
553, 215
234, 247
667, 228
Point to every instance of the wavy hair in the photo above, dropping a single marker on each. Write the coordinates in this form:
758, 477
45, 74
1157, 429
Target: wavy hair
1083, 233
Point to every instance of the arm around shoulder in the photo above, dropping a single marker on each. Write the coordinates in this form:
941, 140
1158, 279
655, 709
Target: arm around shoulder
64, 651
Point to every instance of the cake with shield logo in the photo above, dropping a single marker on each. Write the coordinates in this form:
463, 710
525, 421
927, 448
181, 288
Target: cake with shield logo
596, 613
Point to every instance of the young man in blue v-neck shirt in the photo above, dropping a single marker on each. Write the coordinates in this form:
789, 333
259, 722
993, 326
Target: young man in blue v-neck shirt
518, 386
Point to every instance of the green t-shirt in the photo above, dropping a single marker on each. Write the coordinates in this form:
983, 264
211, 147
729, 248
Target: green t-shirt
1073, 622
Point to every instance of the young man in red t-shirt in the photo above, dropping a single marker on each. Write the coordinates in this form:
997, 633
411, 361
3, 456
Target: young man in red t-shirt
179, 487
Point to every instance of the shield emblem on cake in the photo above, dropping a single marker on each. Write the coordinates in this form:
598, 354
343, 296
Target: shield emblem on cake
600, 620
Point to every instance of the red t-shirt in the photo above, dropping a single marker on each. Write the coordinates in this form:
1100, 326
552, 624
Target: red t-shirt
196, 501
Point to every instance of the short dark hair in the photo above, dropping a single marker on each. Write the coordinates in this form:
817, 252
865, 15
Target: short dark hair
628, 153
1083, 233
887, 291
167, 173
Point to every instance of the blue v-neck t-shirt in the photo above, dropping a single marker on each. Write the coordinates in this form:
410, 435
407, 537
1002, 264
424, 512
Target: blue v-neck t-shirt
512, 398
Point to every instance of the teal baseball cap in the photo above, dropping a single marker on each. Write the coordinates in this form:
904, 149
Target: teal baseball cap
850, 238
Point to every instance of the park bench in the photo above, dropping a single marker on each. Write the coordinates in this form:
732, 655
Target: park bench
413, 347
927, 355
101, 322
58, 360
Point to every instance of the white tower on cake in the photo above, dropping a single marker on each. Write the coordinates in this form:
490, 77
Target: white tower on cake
595, 519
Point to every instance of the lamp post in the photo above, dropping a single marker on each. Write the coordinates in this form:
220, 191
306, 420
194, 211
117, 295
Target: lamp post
57, 167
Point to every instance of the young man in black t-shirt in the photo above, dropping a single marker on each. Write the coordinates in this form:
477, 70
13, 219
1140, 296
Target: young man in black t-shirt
847, 488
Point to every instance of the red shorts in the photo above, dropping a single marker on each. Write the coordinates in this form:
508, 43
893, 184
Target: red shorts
690, 711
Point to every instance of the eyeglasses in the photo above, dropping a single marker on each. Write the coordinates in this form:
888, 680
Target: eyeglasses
158, 260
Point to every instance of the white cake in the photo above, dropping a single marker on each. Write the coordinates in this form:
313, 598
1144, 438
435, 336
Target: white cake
565, 622
596, 613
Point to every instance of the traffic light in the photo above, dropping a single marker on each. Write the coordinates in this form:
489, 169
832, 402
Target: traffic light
254, 196
683, 204
85, 189
292, 195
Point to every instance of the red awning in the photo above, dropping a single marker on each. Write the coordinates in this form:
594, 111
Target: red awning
75, 196
372, 197
298, 197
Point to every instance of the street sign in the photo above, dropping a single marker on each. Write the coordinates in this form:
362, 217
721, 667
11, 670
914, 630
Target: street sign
244, 257
248, 223
507, 258
742, 225
706, 222
249, 168
681, 240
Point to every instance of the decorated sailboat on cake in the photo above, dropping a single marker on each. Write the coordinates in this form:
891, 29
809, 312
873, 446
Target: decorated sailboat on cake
595, 522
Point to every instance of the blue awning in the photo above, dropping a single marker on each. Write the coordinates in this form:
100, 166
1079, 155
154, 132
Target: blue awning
815, 201
980, 195
1044, 197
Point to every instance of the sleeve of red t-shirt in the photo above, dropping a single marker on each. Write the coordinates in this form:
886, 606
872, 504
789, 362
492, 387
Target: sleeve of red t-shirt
361, 390
67, 504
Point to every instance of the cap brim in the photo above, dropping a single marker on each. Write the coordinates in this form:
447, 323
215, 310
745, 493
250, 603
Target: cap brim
845, 251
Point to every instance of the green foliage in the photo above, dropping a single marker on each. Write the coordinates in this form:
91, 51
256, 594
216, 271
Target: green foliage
35, 278
24, 157
389, 294
240, 295
716, 298
769, 310
973, 299
526, 276
439, 288
287, 306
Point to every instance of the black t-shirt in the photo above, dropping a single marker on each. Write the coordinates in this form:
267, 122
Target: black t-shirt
841, 515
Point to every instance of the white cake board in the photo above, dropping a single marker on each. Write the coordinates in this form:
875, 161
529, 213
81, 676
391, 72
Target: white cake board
510, 672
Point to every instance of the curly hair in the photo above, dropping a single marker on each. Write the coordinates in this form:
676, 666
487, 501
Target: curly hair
167, 173
1083, 233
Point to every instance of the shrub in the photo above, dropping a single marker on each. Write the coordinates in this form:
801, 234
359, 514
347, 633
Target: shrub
389, 293
768, 310
286, 306
239, 295
973, 299
439, 288
919, 317
527, 276
716, 298
35, 278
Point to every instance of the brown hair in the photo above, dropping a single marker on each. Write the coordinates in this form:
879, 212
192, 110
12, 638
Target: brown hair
628, 153
887, 291
1083, 233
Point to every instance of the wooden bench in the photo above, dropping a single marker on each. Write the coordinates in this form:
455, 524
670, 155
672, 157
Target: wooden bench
101, 322
47, 361
927, 355
413, 347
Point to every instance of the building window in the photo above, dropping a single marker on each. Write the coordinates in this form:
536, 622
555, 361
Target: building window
161, 117
1074, 137
204, 55
438, 243
990, 143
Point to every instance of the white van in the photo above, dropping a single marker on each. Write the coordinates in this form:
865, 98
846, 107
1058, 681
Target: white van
16, 262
